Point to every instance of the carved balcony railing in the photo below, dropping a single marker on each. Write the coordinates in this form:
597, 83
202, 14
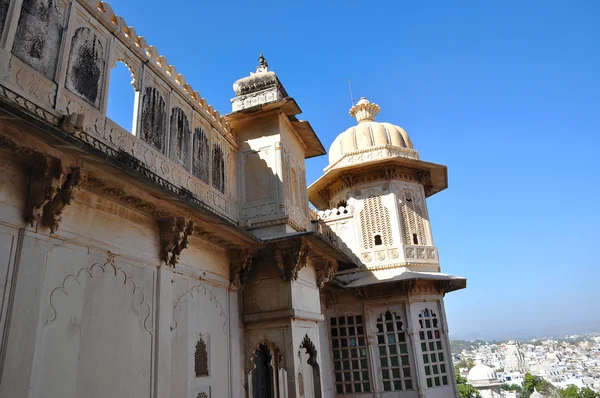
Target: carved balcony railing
340, 212
177, 135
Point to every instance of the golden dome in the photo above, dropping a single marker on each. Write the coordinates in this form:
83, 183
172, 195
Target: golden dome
367, 134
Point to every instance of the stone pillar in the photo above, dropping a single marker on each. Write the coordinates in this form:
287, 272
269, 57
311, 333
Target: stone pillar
413, 335
163, 320
447, 351
281, 198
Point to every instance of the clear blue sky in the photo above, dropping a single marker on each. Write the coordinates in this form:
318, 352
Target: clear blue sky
505, 93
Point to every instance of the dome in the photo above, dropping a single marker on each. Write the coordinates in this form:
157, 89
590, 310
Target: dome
481, 373
368, 134
536, 394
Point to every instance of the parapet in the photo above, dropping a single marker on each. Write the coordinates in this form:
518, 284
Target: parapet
55, 62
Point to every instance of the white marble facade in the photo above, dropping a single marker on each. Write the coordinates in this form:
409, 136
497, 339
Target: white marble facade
182, 259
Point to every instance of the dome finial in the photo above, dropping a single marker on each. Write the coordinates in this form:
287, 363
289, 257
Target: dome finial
364, 110
263, 66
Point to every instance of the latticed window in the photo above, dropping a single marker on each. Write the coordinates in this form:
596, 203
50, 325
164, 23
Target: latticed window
201, 154
218, 169
350, 362
393, 353
375, 223
201, 358
436, 373
413, 221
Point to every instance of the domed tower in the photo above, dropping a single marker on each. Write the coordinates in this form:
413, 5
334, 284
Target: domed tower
378, 184
388, 311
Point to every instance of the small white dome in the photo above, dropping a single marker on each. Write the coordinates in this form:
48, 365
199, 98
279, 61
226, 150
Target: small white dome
536, 394
481, 372
368, 133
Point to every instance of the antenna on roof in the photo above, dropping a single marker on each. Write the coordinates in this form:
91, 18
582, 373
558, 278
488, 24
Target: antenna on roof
351, 96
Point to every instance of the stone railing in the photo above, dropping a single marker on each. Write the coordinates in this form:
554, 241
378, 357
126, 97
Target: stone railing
340, 212
56, 59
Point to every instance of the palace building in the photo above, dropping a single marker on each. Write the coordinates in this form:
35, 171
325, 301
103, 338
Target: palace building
183, 259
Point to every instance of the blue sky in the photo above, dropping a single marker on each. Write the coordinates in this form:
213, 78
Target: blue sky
505, 93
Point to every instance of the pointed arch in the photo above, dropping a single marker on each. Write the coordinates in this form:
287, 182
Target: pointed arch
310, 349
432, 348
393, 352
264, 374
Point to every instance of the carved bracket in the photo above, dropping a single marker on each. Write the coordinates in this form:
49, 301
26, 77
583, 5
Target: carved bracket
175, 235
241, 264
51, 189
290, 260
425, 180
326, 273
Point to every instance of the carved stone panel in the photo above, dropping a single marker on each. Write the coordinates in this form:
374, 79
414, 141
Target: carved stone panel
200, 158
154, 118
3, 13
39, 35
85, 73
179, 141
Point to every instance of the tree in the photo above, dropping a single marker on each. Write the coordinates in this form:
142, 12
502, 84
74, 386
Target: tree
511, 387
465, 390
571, 391
466, 363
542, 386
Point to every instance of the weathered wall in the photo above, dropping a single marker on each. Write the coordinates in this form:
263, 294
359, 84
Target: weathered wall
90, 312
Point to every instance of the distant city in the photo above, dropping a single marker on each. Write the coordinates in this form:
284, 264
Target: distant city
552, 363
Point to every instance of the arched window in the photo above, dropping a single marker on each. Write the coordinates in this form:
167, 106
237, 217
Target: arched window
218, 168
436, 372
350, 363
393, 353
201, 154
412, 217
121, 98
201, 358
263, 382
375, 220
153, 121
179, 142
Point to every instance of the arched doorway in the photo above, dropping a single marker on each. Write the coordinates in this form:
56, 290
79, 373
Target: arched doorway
309, 379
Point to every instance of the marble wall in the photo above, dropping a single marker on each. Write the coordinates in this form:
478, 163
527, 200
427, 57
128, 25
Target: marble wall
89, 311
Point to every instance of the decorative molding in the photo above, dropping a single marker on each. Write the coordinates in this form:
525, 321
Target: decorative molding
200, 289
430, 266
175, 235
111, 269
371, 154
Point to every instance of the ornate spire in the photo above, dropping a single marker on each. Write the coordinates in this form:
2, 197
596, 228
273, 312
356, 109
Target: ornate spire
364, 110
263, 66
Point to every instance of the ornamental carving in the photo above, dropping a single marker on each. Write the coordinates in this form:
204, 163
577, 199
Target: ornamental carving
326, 273
52, 188
175, 233
290, 260
241, 264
